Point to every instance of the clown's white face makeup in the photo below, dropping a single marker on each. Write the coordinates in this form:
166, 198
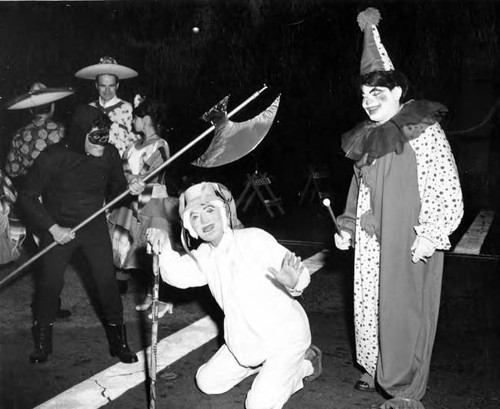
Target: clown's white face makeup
380, 103
208, 223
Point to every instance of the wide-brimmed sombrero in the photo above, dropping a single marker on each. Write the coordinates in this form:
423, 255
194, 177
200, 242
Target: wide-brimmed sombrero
38, 95
107, 65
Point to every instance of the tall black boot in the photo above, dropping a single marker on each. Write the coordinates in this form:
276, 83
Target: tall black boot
118, 346
42, 336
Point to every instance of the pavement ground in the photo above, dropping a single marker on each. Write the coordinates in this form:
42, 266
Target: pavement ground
464, 372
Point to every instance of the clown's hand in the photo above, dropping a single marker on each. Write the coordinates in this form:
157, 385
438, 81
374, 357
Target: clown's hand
422, 249
136, 186
342, 241
291, 269
157, 240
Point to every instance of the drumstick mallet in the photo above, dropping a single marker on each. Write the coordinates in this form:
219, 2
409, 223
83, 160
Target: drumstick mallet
327, 204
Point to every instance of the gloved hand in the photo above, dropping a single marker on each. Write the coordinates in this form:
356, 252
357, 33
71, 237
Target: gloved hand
422, 249
343, 242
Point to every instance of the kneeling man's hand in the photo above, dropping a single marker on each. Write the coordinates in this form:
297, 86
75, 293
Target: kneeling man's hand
157, 239
291, 269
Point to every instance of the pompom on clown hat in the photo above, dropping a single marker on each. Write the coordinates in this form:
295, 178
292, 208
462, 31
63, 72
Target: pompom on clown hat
106, 65
374, 56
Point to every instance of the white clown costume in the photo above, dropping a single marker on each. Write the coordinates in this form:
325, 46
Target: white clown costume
266, 330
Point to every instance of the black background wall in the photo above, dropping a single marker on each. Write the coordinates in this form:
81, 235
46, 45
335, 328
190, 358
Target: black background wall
306, 50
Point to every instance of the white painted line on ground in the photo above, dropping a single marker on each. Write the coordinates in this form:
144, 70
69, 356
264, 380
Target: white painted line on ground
317, 261
114, 381
473, 239
107, 385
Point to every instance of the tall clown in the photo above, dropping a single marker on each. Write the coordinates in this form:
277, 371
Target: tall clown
404, 202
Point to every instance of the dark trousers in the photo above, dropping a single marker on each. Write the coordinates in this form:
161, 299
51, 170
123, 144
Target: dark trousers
95, 244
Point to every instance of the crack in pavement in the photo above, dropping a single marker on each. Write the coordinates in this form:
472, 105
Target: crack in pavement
103, 390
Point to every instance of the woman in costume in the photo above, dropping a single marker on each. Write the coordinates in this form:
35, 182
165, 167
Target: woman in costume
404, 202
129, 223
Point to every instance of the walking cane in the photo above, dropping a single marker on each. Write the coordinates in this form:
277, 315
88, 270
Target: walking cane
154, 333
16, 272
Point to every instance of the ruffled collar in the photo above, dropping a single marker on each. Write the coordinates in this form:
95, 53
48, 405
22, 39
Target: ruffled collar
369, 141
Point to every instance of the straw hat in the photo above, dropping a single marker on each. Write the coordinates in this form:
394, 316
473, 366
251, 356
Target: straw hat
106, 65
38, 95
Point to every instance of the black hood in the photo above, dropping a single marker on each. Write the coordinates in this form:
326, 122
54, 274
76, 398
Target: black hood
84, 117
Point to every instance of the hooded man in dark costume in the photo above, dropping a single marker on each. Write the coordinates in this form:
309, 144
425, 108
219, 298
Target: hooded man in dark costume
404, 202
74, 178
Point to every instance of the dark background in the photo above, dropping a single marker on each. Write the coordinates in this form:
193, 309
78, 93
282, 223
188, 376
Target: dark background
306, 50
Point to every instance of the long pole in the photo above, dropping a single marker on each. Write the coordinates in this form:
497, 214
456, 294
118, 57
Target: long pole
154, 333
16, 272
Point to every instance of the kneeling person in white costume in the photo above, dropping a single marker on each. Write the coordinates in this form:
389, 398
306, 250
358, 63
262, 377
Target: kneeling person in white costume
254, 280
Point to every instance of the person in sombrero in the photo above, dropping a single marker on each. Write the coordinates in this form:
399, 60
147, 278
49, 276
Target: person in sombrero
41, 131
107, 75
26, 145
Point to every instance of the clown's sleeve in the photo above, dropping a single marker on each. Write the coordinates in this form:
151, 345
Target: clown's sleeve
347, 220
442, 205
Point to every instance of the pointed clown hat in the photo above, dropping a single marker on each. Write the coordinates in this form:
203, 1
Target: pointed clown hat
374, 57
106, 65
38, 95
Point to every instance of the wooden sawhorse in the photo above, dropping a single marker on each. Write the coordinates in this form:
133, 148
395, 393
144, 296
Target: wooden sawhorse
259, 185
316, 186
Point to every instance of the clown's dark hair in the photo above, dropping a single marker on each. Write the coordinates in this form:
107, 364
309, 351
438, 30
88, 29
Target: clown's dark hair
387, 79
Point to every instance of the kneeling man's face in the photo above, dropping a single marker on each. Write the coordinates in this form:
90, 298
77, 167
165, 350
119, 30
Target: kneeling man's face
207, 222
